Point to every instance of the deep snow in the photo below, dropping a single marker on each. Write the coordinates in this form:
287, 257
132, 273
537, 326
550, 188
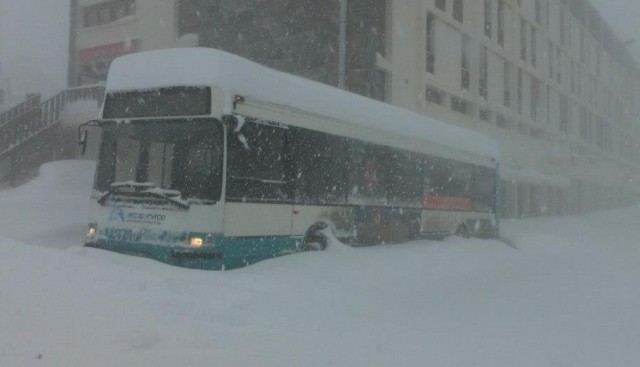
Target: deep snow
568, 296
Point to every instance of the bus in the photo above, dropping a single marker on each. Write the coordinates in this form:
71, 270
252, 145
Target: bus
210, 161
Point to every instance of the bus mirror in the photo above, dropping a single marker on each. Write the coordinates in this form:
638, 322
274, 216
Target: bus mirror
83, 134
243, 141
82, 141
236, 122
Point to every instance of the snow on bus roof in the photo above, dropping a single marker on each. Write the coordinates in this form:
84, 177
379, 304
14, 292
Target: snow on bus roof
239, 76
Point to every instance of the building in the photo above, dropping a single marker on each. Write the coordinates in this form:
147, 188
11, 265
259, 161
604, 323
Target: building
547, 78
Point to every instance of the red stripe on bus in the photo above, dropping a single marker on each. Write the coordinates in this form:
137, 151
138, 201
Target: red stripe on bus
431, 201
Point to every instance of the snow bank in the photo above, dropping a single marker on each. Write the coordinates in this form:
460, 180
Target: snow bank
238, 76
51, 210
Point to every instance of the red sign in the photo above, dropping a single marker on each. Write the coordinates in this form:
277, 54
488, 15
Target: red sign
431, 201
109, 51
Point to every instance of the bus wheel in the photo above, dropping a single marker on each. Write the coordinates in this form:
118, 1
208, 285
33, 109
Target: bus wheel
462, 231
315, 239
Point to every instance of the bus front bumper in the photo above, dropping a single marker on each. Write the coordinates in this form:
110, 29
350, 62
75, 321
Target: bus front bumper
229, 253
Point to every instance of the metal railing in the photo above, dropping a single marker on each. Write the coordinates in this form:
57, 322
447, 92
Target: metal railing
29, 118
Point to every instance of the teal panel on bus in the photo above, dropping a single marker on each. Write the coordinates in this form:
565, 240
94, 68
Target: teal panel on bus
228, 252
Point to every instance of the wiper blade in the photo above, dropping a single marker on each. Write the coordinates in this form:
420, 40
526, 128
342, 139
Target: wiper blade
144, 189
117, 186
165, 194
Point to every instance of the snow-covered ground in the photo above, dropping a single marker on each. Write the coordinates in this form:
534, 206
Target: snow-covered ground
568, 296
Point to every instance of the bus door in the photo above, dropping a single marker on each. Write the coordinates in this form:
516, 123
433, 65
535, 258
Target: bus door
257, 202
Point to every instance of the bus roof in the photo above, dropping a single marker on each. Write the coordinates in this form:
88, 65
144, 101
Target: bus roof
239, 76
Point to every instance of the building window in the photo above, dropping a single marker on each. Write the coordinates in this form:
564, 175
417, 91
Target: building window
107, 12
484, 114
502, 122
538, 6
501, 23
441, 4
572, 76
431, 57
535, 99
484, 71
608, 142
564, 114
105, 15
434, 96
548, 101
558, 65
507, 84
378, 85
551, 61
590, 122
464, 70
582, 45
578, 81
562, 27
600, 133
592, 90
533, 46
519, 91
487, 18
459, 105
583, 124
121, 10
523, 39
90, 17
458, 10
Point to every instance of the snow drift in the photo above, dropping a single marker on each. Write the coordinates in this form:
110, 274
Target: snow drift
567, 296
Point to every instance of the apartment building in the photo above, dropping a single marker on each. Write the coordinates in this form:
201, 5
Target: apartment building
547, 79
103, 30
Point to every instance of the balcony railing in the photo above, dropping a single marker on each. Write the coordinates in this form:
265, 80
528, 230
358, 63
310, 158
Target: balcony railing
29, 118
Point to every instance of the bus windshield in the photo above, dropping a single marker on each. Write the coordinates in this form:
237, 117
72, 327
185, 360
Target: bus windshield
174, 160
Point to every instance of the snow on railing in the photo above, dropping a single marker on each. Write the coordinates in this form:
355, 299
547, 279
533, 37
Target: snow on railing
31, 117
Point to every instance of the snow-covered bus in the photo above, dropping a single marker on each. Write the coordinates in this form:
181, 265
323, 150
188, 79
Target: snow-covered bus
210, 161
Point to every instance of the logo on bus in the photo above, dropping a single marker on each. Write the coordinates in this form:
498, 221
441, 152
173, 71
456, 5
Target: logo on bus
119, 215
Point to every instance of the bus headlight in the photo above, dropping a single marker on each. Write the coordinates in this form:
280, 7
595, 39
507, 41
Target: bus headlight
196, 242
91, 232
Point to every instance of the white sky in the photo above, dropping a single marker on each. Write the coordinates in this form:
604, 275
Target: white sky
622, 16
34, 40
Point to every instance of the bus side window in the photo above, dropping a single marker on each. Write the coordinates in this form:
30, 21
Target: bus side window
438, 175
460, 179
257, 173
319, 172
404, 183
369, 174
201, 171
483, 188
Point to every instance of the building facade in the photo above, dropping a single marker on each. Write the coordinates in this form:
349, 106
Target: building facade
103, 30
546, 78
